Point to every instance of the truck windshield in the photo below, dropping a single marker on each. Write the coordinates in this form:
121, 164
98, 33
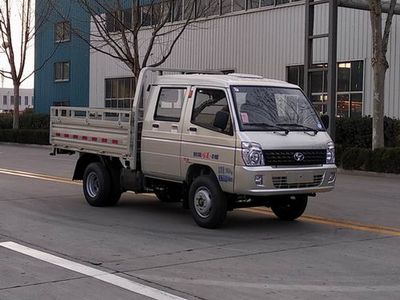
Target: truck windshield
262, 108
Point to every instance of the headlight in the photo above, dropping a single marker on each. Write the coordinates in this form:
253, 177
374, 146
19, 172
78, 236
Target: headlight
252, 154
330, 153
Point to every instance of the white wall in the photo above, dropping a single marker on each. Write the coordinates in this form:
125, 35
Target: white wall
10, 92
265, 42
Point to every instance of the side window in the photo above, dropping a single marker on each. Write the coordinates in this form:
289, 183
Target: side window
211, 111
169, 106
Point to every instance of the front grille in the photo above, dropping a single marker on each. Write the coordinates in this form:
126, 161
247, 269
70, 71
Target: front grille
288, 157
282, 183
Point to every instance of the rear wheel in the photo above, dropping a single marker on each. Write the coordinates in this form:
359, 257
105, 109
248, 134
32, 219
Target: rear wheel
97, 186
289, 208
115, 193
207, 202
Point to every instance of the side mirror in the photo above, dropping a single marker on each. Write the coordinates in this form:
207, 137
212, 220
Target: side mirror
325, 121
221, 120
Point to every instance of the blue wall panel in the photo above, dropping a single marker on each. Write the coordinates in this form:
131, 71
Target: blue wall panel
48, 52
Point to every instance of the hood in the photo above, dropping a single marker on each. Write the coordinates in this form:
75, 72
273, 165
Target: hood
278, 140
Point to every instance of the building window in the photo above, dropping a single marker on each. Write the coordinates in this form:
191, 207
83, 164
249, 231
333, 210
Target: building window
207, 8
19, 98
62, 32
350, 84
238, 5
295, 75
12, 100
5, 100
61, 71
267, 3
155, 13
62, 103
319, 89
119, 92
226, 6
350, 89
279, 2
169, 106
119, 20
177, 11
26, 100
253, 4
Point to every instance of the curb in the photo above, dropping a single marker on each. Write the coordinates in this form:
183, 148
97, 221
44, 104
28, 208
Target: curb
367, 174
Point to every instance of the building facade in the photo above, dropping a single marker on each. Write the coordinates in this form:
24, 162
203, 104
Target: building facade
7, 99
61, 56
265, 37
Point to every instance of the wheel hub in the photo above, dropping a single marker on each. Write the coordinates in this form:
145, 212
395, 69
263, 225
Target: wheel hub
92, 185
203, 202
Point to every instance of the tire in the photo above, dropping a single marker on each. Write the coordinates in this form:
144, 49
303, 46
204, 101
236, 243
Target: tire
115, 193
207, 202
97, 186
290, 208
114, 197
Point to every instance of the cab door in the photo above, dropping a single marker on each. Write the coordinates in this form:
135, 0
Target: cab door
208, 136
162, 133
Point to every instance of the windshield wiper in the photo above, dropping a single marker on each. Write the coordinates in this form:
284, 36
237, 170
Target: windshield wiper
299, 125
271, 126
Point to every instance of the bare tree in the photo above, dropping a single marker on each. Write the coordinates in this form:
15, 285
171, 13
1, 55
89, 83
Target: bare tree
117, 27
380, 38
15, 45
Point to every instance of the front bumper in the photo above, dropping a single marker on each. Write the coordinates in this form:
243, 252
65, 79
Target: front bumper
267, 181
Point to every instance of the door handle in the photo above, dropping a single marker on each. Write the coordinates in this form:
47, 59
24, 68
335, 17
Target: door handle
192, 129
155, 125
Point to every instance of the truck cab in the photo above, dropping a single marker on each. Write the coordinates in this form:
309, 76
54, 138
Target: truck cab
220, 142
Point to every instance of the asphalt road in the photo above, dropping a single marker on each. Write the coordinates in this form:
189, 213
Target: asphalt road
346, 247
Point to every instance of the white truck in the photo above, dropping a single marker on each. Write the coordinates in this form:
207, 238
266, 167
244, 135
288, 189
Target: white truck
214, 142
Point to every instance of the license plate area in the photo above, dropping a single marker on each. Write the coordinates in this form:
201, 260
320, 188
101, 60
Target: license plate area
300, 178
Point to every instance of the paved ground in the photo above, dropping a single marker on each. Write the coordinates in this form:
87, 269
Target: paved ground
347, 247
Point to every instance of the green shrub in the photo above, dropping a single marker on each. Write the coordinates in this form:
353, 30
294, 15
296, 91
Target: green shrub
6, 121
385, 160
392, 132
354, 132
357, 132
34, 121
27, 120
355, 158
25, 136
338, 154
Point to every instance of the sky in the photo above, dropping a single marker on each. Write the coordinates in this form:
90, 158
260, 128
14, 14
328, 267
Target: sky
16, 31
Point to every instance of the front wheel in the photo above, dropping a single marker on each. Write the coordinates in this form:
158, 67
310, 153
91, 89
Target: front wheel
289, 208
207, 202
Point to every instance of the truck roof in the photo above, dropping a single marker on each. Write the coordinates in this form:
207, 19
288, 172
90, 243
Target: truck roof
221, 80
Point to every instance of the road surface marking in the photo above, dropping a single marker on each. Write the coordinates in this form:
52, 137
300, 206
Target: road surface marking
392, 231
121, 282
38, 176
337, 223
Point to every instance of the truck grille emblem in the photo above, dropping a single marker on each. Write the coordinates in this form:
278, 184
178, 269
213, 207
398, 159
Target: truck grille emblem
298, 156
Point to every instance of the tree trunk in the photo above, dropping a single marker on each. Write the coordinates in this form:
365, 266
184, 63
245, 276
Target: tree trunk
378, 67
16, 106
380, 40
379, 71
